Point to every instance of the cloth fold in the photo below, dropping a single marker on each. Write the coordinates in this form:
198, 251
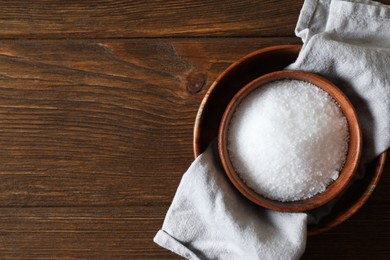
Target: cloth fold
209, 219
352, 49
347, 42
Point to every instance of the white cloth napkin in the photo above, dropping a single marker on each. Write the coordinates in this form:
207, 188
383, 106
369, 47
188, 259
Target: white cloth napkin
348, 42
209, 219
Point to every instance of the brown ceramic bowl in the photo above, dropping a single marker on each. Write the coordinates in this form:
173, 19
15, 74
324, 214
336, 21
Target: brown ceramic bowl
354, 145
232, 80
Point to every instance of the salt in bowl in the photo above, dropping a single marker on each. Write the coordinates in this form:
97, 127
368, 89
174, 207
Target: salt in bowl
353, 153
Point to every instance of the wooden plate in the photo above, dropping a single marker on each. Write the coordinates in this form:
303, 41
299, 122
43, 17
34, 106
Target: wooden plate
237, 76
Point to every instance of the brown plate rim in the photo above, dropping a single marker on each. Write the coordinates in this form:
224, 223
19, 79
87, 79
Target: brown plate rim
338, 219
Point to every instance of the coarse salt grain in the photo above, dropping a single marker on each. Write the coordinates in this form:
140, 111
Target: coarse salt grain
288, 140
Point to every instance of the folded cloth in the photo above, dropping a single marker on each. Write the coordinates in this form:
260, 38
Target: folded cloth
209, 219
348, 43
352, 48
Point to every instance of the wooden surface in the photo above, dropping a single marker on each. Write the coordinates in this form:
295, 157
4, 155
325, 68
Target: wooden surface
97, 105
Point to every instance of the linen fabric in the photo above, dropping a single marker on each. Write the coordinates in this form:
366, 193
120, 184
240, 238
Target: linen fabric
347, 42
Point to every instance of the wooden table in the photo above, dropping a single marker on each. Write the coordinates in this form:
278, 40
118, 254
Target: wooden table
97, 105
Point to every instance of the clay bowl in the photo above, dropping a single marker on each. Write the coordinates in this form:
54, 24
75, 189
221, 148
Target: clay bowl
234, 78
354, 145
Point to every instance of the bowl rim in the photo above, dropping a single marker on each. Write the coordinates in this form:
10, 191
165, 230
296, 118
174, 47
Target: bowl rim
354, 146
197, 149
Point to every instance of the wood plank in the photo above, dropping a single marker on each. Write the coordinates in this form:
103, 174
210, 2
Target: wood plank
92, 123
89, 163
119, 19
82, 233
114, 232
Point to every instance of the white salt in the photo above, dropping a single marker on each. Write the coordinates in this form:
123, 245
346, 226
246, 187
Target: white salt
288, 140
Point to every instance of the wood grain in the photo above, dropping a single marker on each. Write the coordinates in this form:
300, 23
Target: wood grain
88, 123
58, 233
97, 105
124, 18
114, 232
95, 136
